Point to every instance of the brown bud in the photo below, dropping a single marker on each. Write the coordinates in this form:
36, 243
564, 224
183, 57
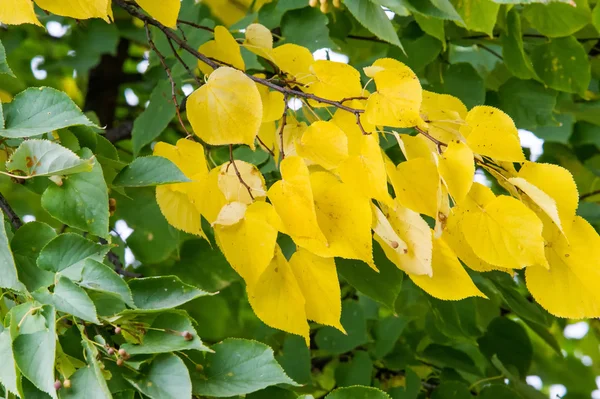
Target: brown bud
57, 385
123, 353
187, 335
112, 205
120, 362
199, 367
67, 383
111, 351
117, 330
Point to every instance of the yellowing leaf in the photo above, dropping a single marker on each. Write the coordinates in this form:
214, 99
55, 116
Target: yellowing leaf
249, 244
79, 9
416, 184
414, 231
334, 81
231, 213
386, 233
259, 40
272, 102
223, 48
492, 133
233, 189
188, 155
277, 299
570, 287
210, 197
227, 109
505, 233
397, 101
539, 198
347, 122
165, 11
268, 135
230, 12
444, 115
457, 169
323, 143
318, 281
295, 61
344, 218
292, 131
293, 200
415, 146
449, 281
16, 12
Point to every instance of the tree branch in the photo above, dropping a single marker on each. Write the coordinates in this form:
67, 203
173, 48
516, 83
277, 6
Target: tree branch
123, 131
590, 194
114, 259
14, 219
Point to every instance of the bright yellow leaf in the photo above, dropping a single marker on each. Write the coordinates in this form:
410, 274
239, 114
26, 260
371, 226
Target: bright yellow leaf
188, 155
277, 299
415, 146
211, 199
268, 135
444, 115
223, 48
457, 169
227, 109
318, 281
272, 102
79, 9
295, 61
293, 200
233, 189
539, 199
323, 143
416, 184
165, 11
292, 132
231, 213
259, 40
492, 133
386, 233
334, 81
344, 218
230, 12
397, 101
449, 281
570, 287
16, 12
347, 122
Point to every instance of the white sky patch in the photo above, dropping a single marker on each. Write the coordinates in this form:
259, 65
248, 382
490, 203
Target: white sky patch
390, 14
56, 29
576, 330
129, 258
535, 381
122, 229
28, 218
294, 104
131, 98
39, 74
187, 89
481, 178
142, 66
596, 394
531, 141
327, 53
557, 391
586, 360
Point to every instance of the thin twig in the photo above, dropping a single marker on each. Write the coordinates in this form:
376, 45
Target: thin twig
262, 143
14, 219
430, 137
590, 194
489, 50
283, 122
368, 39
187, 68
343, 100
195, 25
237, 172
114, 259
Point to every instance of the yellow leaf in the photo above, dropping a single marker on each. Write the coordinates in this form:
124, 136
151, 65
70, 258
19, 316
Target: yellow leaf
449, 281
79, 9
444, 115
259, 40
386, 233
416, 184
268, 135
539, 199
323, 143
295, 61
457, 169
318, 281
334, 81
233, 189
293, 200
210, 198
292, 131
415, 146
365, 172
277, 299
397, 101
344, 218
443, 211
492, 133
16, 12
188, 155
347, 122
272, 102
505, 233
414, 231
230, 12
223, 48
227, 109
249, 244
5, 97
165, 11
231, 213
570, 287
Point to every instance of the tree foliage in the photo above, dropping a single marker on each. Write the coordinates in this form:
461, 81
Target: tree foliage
285, 199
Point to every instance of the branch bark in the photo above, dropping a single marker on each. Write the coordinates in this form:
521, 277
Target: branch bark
14, 219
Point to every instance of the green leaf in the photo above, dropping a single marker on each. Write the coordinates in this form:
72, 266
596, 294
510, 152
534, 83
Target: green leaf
84, 384
97, 276
35, 352
69, 298
167, 378
373, 18
26, 245
383, 287
563, 65
169, 340
81, 201
526, 391
163, 292
412, 388
560, 133
149, 171
462, 80
355, 372
558, 19
357, 393
386, 333
10, 377
446, 356
154, 119
67, 250
354, 322
451, 390
8, 269
477, 15
515, 58
295, 359
45, 158
596, 17
40, 110
419, 53
498, 392
306, 27
509, 341
238, 367
4, 68
442, 9
432, 26
528, 103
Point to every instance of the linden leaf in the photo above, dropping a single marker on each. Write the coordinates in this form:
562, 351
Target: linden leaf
416, 183
539, 198
347, 122
223, 48
292, 131
344, 218
227, 109
386, 233
334, 81
449, 281
249, 244
569, 288
323, 143
293, 200
272, 102
16, 12
318, 281
259, 40
233, 189
397, 101
457, 169
231, 213
165, 11
415, 232
79, 9
444, 115
295, 61
277, 299
415, 146
492, 133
